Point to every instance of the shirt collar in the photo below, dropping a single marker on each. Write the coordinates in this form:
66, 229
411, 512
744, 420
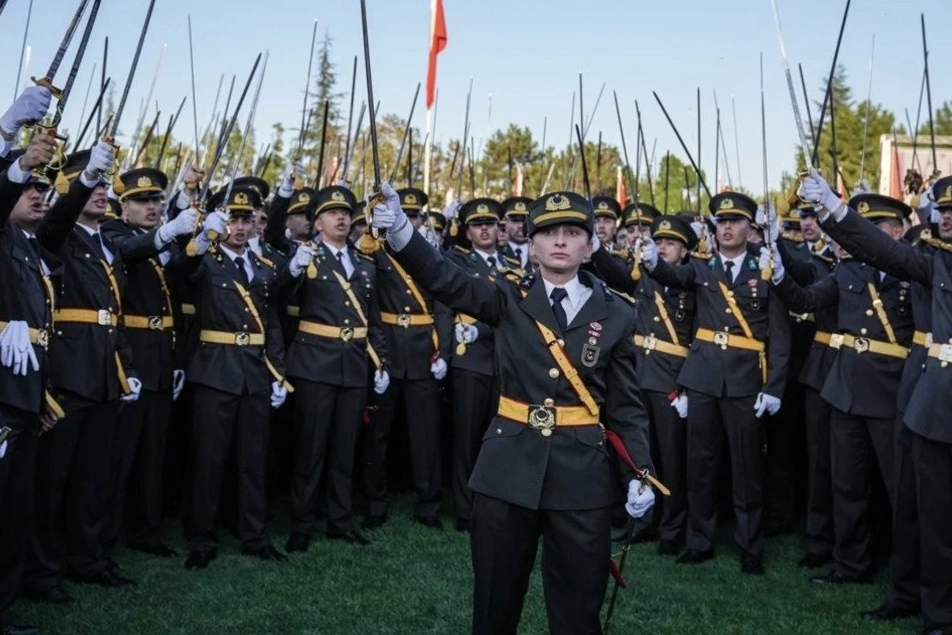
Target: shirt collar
524, 248
737, 260
486, 256
231, 254
91, 232
574, 288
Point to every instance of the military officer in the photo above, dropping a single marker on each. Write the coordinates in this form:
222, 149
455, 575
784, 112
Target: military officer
927, 266
663, 335
90, 371
875, 332
27, 301
237, 369
544, 469
734, 375
329, 361
637, 220
515, 212
475, 386
607, 215
146, 250
419, 335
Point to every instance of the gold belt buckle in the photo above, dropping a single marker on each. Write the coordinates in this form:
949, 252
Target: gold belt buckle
155, 323
104, 317
346, 334
721, 339
43, 338
542, 418
836, 340
945, 353
861, 345
650, 343
242, 339
403, 320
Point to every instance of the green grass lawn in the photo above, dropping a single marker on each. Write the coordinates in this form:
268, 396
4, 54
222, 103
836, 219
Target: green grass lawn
416, 580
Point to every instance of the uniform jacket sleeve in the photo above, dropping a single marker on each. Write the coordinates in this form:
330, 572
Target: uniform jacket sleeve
677, 276
59, 220
614, 270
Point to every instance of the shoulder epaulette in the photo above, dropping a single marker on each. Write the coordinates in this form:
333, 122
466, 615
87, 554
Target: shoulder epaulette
361, 254
461, 249
513, 262
701, 255
621, 253
527, 281
265, 261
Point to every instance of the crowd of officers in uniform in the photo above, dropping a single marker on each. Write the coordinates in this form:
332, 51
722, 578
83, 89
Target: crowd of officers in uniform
133, 327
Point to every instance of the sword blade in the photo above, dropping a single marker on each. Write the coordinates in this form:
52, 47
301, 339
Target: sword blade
370, 94
132, 71
67, 38
804, 148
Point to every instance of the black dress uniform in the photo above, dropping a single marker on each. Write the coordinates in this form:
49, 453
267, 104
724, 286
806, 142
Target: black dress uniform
741, 348
875, 331
90, 363
239, 353
26, 294
475, 384
516, 210
418, 332
544, 468
139, 444
329, 363
817, 411
663, 334
929, 450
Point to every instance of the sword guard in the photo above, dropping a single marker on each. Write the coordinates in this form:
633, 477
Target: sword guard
48, 83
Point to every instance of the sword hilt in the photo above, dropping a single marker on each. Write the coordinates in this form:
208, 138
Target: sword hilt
48, 83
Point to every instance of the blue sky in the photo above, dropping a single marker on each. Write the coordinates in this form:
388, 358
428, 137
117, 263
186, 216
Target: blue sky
527, 54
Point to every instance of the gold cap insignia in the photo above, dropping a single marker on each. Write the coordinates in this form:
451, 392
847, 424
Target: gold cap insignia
240, 199
556, 203
863, 207
727, 203
410, 199
520, 206
335, 196
144, 181
482, 208
664, 226
305, 198
602, 205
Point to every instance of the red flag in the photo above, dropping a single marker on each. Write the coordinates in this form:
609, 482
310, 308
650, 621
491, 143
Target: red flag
620, 194
437, 44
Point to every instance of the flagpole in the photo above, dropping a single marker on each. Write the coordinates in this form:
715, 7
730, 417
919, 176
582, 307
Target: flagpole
426, 150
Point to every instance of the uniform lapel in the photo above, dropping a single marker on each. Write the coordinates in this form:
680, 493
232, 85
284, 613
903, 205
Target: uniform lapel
538, 306
594, 309
745, 272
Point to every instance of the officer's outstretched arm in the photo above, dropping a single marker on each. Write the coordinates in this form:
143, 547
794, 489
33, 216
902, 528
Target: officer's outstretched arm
677, 276
866, 242
614, 271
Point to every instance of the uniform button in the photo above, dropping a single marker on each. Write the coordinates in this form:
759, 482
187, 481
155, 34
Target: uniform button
498, 430
409, 292
548, 403
561, 342
862, 331
246, 309
728, 311
244, 326
346, 321
347, 303
547, 432
869, 312
406, 309
554, 373
657, 319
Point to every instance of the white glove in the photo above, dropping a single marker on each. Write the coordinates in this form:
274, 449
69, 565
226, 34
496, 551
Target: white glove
178, 383
286, 188
100, 159
3, 449
438, 368
640, 499
388, 214
381, 381
302, 258
649, 252
16, 351
31, 105
135, 387
216, 221
698, 228
680, 403
772, 256
278, 394
451, 211
181, 225
861, 187
466, 333
814, 189
766, 403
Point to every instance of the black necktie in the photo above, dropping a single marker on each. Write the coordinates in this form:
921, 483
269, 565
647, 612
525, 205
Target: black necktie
729, 270
242, 272
558, 294
35, 246
519, 255
97, 245
492, 262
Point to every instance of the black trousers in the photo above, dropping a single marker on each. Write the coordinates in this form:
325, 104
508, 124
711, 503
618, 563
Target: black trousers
223, 420
670, 437
421, 403
475, 401
932, 462
73, 468
784, 458
138, 465
576, 548
905, 556
820, 536
712, 422
861, 447
17, 469
327, 423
